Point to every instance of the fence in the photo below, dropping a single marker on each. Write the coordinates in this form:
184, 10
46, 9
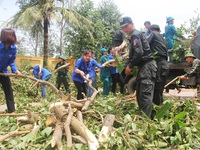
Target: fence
23, 61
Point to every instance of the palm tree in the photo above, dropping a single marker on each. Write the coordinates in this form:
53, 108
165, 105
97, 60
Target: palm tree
33, 12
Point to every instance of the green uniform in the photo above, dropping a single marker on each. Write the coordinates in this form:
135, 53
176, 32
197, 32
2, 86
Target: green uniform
105, 76
62, 77
195, 71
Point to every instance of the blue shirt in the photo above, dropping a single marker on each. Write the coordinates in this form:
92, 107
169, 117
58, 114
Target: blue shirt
86, 68
7, 58
113, 70
148, 32
94, 64
44, 71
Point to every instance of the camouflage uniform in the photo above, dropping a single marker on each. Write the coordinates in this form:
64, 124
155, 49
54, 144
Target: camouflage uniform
62, 77
195, 71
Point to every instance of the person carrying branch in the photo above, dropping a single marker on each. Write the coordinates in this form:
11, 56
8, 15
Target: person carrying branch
140, 55
8, 52
62, 74
195, 67
42, 74
81, 72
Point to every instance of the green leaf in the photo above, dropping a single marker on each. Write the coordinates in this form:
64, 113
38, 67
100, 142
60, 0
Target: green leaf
127, 118
47, 131
163, 110
180, 115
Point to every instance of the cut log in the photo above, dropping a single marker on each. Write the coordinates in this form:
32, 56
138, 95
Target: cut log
67, 127
79, 139
73, 104
84, 132
57, 137
79, 116
107, 127
59, 110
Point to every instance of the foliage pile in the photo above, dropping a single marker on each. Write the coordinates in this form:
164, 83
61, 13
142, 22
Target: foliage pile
176, 124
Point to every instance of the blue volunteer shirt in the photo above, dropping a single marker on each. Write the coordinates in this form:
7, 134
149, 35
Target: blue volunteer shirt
44, 71
94, 64
113, 70
86, 68
7, 58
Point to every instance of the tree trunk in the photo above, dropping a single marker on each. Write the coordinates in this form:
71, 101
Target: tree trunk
36, 44
107, 127
46, 36
57, 137
83, 131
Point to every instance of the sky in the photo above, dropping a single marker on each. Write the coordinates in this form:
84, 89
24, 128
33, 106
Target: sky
140, 11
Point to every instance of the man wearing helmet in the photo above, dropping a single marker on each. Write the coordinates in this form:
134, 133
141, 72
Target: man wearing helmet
194, 70
171, 33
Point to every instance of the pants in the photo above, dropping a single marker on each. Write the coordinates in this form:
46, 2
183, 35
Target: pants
145, 87
64, 80
6, 85
161, 77
43, 87
106, 85
90, 91
81, 87
117, 78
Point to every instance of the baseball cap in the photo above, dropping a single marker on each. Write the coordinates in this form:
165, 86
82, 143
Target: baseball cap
119, 36
125, 20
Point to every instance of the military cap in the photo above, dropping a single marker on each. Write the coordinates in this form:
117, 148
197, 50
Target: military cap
62, 57
169, 19
125, 20
189, 54
103, 50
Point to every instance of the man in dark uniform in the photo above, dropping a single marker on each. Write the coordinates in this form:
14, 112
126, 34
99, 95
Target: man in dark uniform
140, 55
158, 46
62, 76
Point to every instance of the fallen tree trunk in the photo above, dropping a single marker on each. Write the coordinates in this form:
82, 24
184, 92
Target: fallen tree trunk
67, 127
107, 127
57, 137
83, 131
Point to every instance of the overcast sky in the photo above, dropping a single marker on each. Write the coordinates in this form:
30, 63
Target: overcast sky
140, 11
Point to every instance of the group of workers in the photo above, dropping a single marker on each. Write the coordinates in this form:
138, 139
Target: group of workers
151, 75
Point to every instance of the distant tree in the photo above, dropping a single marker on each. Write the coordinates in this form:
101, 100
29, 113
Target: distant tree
34, 14
105, 20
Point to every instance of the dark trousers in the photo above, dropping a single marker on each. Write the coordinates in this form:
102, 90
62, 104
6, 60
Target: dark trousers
7, 88
81, 87
161, 76
64, 80
145, 87
117, 78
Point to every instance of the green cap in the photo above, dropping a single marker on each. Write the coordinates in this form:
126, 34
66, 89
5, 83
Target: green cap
62, 57
189, 54
103, 50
